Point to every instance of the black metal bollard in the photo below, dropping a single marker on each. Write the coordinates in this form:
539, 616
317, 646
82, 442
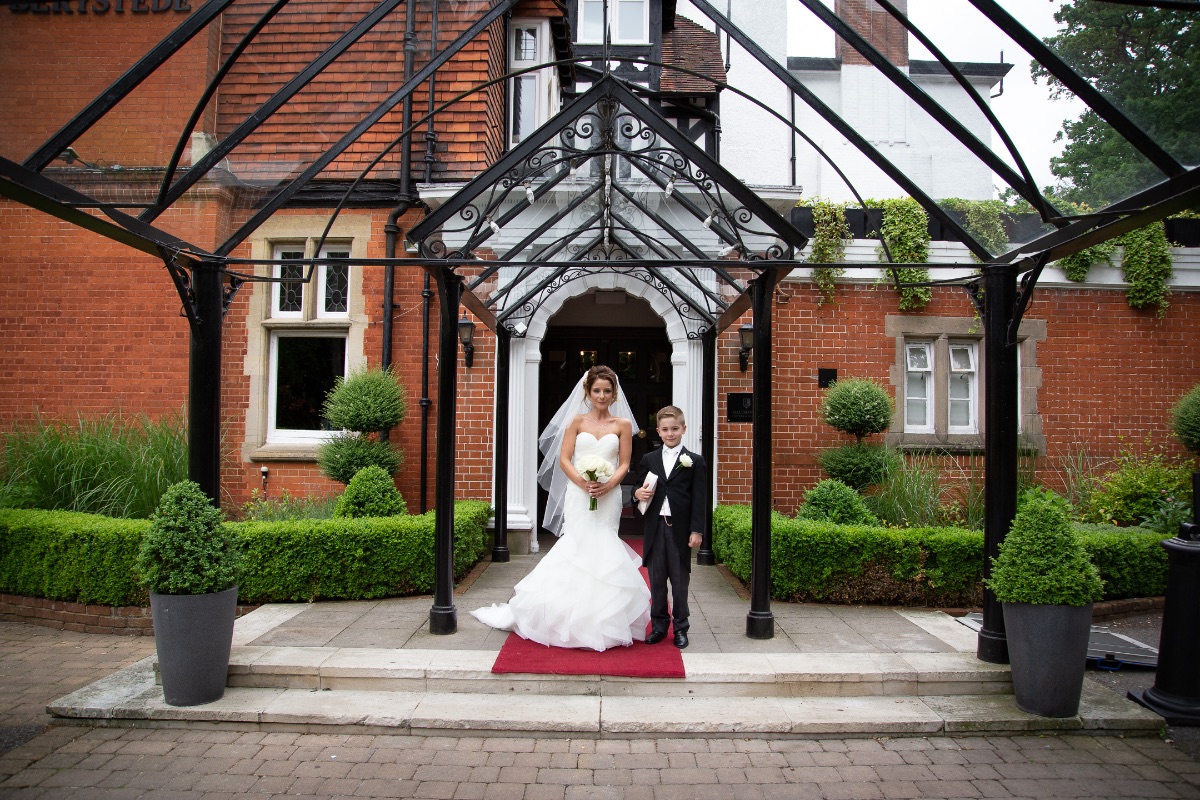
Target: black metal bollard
1175, 694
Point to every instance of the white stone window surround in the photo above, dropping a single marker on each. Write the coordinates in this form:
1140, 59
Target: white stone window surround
941, 333
350, 233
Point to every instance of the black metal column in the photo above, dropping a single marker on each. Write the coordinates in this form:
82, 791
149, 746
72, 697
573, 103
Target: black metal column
1000, 444
760, 622
1175, 694
204, 380
500, 491
708, 426
443, 618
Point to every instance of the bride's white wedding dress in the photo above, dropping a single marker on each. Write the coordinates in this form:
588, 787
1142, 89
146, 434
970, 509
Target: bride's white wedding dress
587, 591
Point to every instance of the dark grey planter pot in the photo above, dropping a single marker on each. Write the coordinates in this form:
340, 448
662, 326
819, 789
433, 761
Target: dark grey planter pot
1047, 649
193, 634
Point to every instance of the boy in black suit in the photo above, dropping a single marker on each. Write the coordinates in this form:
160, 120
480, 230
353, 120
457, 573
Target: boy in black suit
673, 523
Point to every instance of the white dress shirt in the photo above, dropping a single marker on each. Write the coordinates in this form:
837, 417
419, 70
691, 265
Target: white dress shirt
670, 456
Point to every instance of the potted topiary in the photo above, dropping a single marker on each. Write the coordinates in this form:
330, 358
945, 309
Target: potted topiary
1046, 585
189, 561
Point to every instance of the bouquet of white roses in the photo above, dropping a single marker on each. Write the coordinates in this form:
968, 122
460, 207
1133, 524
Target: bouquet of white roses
594, 468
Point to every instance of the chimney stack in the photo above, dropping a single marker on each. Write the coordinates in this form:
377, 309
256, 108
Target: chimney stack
875, 25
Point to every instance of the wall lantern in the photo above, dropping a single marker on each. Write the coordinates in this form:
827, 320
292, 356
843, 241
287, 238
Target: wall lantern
466, 335
746, 334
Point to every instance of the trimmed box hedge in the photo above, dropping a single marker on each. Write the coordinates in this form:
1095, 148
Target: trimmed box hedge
936, 567
60, 555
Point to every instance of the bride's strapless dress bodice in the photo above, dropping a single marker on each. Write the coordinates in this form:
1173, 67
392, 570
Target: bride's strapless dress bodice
587, 590
577, 516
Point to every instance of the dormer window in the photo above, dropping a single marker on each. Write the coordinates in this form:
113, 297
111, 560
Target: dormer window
629, 21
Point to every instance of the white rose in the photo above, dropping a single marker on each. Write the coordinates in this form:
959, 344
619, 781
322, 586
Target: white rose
685, 460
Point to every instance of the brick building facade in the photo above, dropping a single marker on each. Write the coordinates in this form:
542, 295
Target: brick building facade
89, 326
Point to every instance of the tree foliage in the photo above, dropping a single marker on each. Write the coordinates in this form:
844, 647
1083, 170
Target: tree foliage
1142, 59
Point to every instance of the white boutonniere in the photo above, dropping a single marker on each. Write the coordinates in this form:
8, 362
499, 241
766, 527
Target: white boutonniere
685, 460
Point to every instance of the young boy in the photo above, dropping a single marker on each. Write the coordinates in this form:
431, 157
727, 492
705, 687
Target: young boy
674, 520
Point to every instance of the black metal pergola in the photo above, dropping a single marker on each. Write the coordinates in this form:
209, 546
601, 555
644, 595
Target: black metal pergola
717, 252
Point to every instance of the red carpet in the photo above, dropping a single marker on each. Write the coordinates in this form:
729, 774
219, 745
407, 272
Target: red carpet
639, 660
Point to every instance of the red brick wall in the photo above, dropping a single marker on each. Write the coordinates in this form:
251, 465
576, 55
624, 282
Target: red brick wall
43, 91
86, 325
1109, 376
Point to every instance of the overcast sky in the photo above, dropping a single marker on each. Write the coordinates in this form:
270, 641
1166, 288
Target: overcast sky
963, 34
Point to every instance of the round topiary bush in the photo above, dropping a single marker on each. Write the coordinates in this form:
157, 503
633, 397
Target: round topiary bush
834, 501
858, 465
857, 406
344, 455
370, 400
370, 493
1185, 419
1042, 561
187, 549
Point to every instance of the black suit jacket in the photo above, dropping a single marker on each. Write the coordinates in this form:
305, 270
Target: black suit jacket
686, 488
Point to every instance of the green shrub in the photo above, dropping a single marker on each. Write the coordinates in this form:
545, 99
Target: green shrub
1132, 562
260, 508
1041, 560
1185, 419
91, 559
815, 561
366, 401
188, 549
113, 465
857, 406
834, 501
362, 405
936, 567
370, 493
1169, 513
69, 556
344, 455
910, 493
1132, 491
858, 465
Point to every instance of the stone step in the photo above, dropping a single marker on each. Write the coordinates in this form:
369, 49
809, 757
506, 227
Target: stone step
708, 674
131, 697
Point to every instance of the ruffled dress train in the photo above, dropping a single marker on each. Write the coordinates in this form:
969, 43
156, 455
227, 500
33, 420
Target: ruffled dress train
586, 591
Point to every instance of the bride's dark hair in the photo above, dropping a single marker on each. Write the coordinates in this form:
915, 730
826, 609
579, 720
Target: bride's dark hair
596, 373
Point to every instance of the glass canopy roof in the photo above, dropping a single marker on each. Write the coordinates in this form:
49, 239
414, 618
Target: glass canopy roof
275, 125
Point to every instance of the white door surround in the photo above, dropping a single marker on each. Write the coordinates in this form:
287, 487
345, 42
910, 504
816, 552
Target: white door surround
687, 363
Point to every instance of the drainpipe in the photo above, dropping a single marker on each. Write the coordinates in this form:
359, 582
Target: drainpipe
406, 201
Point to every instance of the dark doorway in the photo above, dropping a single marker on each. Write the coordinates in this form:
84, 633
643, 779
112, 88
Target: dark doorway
641, 358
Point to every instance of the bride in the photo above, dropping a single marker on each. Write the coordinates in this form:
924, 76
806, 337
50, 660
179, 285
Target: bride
587, 591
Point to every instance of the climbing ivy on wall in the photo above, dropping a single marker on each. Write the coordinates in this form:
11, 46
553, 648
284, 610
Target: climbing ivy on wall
906, 233
830, 232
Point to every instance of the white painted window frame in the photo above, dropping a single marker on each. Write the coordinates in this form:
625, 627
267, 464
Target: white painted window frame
544, 81
930, 386
613, 22
972, 348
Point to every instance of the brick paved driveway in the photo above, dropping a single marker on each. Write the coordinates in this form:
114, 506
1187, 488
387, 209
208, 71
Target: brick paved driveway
38, 665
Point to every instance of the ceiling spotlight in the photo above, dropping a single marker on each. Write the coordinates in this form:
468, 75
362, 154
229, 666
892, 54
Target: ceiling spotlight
529, 193
670, 187
492, 224
708, 221
728, 250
